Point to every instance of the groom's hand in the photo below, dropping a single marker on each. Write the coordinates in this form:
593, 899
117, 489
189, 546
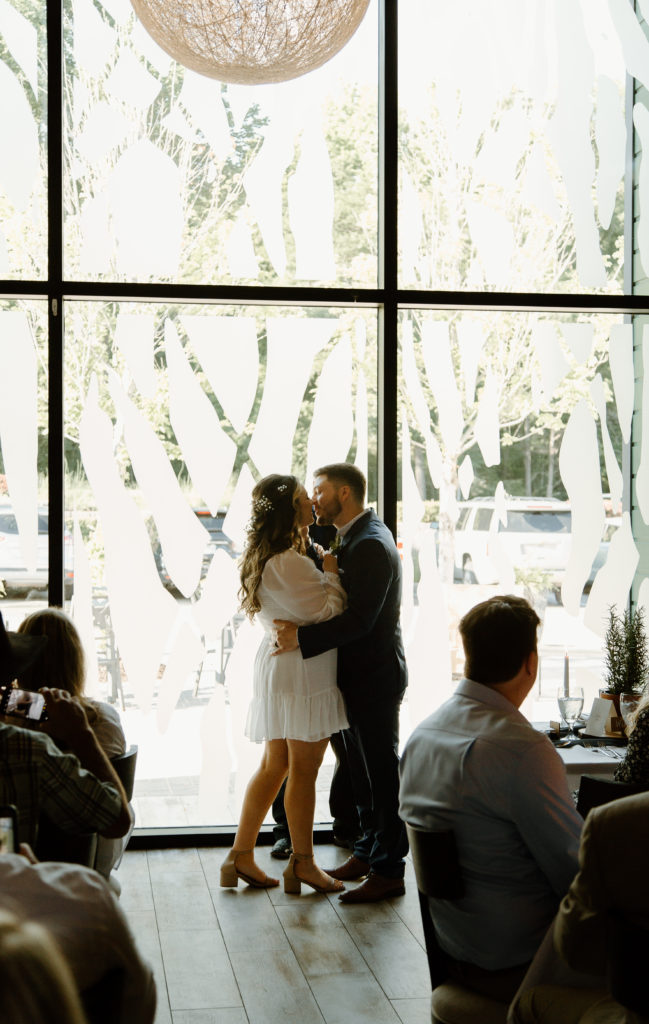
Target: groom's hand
286, 639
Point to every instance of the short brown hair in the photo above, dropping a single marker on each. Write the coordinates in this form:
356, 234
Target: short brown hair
344, 474
498, 635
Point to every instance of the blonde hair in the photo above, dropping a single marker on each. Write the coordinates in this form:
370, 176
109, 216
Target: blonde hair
273, 528
62, 664
36, 983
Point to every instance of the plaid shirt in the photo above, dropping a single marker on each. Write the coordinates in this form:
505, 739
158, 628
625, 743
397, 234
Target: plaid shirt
36, 776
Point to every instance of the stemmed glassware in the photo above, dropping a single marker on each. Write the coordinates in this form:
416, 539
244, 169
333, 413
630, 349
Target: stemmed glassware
570, 704
628, 704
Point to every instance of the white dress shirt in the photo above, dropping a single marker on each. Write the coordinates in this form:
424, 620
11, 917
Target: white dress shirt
477, 766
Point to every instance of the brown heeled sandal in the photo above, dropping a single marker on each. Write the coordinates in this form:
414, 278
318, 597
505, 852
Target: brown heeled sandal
230, 873
293, 881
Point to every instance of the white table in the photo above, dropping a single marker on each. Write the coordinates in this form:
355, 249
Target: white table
589, 761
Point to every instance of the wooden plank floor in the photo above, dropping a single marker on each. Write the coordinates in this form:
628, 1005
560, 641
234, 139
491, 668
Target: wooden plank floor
246, 956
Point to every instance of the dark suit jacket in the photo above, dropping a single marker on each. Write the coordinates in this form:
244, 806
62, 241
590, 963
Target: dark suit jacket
371, 662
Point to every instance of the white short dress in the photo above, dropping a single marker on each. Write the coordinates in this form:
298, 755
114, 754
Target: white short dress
293, 697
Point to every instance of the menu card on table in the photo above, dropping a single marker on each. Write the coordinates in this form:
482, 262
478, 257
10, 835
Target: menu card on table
603, 720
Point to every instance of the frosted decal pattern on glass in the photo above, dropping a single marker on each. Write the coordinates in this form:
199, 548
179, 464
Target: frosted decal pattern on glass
613, 471
142, 611
610, 137
513, 142
642, 475
420, 406
487, 427
21, 40
182, 538
244, 182
104, 129
580, 472
18, 427
580, 340
134, 337
641, 123
311, 208
233, 381
82, 610
208, 452
130, 83
535, 515
620, 356
634, 42
436, 350
19, 156
332, 427
144, 182
552, 362
186, 656
613, 581
292, 346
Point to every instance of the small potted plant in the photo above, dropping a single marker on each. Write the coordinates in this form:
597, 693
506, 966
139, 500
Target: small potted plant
627, 655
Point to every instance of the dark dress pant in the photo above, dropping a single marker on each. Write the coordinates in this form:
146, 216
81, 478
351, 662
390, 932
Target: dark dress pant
372, 747
342, 804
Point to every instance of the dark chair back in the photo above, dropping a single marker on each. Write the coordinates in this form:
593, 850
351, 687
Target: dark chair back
595, 790
54, 844
125, 765
438, 874
628, 955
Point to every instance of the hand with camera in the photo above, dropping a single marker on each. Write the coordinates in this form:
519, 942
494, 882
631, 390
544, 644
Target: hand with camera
66, 718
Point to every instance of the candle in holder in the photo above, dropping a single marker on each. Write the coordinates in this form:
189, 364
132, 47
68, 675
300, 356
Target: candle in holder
566, 675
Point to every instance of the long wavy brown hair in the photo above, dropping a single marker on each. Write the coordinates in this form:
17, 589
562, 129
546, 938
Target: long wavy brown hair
273, 528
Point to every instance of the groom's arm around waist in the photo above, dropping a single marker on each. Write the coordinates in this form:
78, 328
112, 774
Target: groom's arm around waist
371, 584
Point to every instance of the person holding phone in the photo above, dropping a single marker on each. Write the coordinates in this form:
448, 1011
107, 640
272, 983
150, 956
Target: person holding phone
79, 791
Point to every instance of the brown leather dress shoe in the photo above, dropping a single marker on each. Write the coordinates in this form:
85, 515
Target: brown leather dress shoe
373, 889
351, 870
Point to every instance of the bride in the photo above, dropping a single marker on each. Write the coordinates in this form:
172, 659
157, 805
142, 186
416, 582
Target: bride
296, 704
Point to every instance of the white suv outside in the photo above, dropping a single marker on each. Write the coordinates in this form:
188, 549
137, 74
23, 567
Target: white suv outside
536, 535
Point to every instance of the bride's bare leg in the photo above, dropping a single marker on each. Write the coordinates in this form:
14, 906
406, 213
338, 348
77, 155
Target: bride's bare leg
304, 760
260, 793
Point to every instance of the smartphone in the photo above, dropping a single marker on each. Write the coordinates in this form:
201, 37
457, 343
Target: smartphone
22, 704
8, 829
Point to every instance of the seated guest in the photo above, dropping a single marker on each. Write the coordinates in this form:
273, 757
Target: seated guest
554, 994
63, 666
35, 981
90, 929
635, 766
477, 766
79, 791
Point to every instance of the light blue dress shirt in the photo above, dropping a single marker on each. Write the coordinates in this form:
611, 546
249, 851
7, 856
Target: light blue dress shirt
477, 765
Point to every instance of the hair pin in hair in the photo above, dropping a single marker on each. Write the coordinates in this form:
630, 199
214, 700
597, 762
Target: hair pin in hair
262, 504
281, 488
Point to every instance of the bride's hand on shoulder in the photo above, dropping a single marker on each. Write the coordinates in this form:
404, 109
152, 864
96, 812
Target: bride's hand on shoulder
330, 562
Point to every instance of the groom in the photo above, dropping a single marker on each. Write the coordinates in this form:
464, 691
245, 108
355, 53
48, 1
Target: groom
371, 675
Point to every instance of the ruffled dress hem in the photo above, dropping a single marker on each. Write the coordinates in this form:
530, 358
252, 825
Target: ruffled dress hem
296, 717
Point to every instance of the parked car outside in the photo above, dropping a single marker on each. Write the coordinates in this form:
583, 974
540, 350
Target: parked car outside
14, 574
537, 534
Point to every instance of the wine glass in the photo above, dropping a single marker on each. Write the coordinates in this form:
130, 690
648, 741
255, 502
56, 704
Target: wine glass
570, 705
628, 704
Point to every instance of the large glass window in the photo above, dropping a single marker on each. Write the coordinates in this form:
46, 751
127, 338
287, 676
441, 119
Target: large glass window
513, 432
172, 414
23, 141
172, 176
216, 292
512, 144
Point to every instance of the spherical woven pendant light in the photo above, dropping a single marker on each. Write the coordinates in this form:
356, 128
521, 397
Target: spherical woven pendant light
251, 41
